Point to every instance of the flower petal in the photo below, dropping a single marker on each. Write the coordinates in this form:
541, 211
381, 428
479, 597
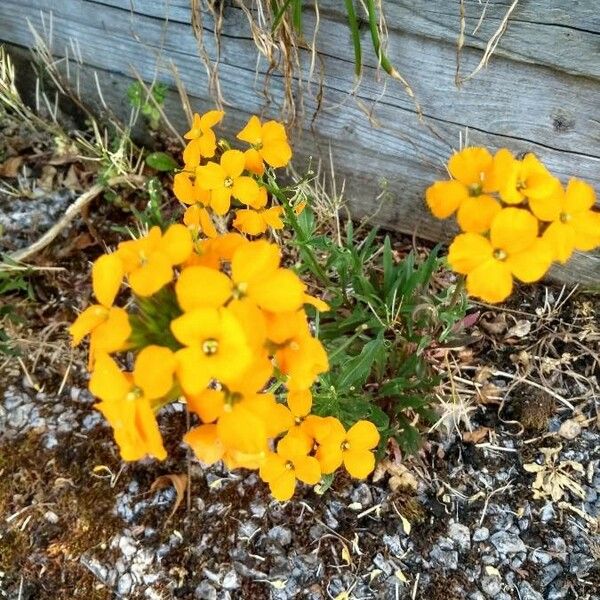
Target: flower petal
531, 264
471, 165
282, 291
252, 132
475, 214
308, 469
513, 230
359, 463
254, 260
299, 402
444, 197
232, 162
579, 197
363, 435
87, 321
468, 251
201, 286
490, 281
107, 381
107, 276
154, 370
561, 238
205, 443
176, 243
246, 190
284, 486
276, 153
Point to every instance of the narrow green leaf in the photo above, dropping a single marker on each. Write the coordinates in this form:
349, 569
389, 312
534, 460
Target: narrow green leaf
357, 369
279, 15
355, 33
161, 161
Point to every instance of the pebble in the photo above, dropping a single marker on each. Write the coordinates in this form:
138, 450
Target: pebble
205, 591
125, 584
481, 534
569, 430
461, 535
528, 593
547, 513
363, 495
281, 535
507, 543
550, 573
51, 517
447, 559
491, 585
127, 546
231, 580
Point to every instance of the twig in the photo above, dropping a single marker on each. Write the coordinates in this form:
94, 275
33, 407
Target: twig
519, 379
71, 212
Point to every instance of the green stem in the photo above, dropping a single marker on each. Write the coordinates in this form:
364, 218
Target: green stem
354, 31
374, 27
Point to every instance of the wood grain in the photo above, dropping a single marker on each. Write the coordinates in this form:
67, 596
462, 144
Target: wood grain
521, 101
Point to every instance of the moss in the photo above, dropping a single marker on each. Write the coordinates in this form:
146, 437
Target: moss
535, 411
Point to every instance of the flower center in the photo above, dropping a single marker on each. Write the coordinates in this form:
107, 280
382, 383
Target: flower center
289, 465
475, 189
565, 217
134, 394
499, 254
228, 182
240, 289
345, 445
210, 347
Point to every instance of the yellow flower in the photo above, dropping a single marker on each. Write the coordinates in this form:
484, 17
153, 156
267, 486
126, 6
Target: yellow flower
216, 348
127, 409
243, 434
291, 462
257, 275
512, 250
573, 225
154, 370
269, 141
468, 191
213, 252
203, 140
198, 219
225, 180
352, 448
521, 179
256, 222
188, 191
149, 261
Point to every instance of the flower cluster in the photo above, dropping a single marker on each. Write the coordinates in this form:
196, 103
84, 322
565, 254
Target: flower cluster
516, 219
215, 319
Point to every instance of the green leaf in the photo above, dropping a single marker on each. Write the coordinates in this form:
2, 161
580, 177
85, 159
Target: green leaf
161, 161
355, 33
279, 15
357, 369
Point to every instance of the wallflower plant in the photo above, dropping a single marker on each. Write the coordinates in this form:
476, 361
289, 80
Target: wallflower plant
295, 384
516, 219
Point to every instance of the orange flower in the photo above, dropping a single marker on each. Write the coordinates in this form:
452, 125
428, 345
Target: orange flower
203, 140
468, 193
225, 180
269, 141
216, 348
149, 261
573, 223
256, 222
126, 406
257, 275
512, 250
109, 329
518, 180
281, 470
352, 448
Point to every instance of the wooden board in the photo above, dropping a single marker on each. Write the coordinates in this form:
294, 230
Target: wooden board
540, 91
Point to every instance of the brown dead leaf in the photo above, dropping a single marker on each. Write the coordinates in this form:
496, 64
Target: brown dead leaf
178, 481
494, 324
477, 435
46, 180
71, 179
10, 167
490, 394
400, 476
519, 330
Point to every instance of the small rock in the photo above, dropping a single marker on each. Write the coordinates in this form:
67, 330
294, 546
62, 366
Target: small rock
448, 559
550, 573
231, 581
258, 509
569, 430
363, 495
51, 517
127, 546
394, 544
547, 513
491, 585
461, 535
281, 535
528, 593
98, 570
49, 441
540, 557
124, 585
205, 591
481, 534
507, 543
382, 564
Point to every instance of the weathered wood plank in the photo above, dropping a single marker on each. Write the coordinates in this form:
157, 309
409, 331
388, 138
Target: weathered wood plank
501, 106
